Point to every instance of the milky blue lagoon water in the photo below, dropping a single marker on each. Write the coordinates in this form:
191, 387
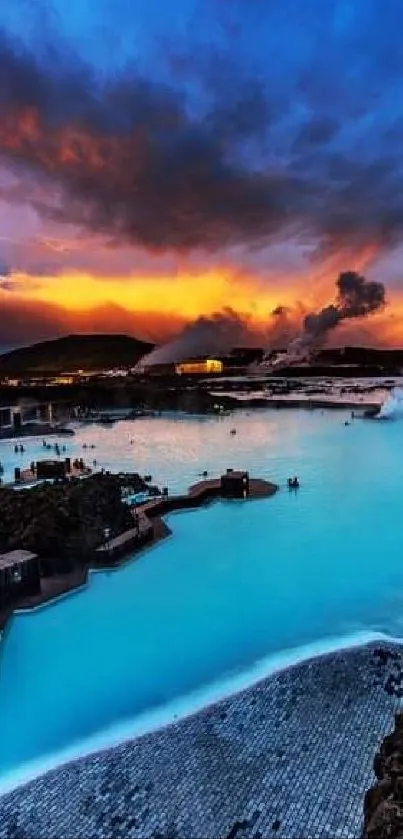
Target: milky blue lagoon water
237, 583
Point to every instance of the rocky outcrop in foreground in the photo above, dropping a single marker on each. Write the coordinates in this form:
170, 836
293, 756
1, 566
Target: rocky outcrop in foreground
64, 522
383, 805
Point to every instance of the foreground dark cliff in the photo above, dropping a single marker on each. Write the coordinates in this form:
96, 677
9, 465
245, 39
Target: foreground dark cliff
383, 806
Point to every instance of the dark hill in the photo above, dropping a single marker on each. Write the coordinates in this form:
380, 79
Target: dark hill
361, 356
75, 352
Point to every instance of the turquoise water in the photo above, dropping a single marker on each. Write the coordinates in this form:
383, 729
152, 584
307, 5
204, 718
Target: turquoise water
238, 582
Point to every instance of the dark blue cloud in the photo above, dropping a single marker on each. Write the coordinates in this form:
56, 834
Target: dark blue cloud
259, 120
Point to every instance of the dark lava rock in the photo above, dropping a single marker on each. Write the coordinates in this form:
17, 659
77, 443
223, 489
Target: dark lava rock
383, 804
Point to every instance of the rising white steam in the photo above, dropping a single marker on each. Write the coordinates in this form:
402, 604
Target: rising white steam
356, 297
392, 408
210, 335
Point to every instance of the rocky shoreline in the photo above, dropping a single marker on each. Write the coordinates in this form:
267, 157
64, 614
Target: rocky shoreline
383, 805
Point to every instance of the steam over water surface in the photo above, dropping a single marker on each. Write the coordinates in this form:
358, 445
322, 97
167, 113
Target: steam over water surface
392, 407
237, 584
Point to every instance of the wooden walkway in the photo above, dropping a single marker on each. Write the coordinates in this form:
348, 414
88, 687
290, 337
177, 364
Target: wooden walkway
200, 493
126, 542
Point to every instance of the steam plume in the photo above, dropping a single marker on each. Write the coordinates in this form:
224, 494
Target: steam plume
206, 336
356, 298
392, 408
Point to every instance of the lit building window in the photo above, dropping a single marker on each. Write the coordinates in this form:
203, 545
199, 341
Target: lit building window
208, 365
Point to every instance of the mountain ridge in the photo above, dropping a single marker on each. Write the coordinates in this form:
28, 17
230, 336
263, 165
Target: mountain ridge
76, 352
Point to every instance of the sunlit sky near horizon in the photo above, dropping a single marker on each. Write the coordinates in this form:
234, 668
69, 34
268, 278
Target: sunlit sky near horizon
165, 161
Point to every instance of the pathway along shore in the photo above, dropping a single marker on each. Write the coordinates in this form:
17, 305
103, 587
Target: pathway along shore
149, 530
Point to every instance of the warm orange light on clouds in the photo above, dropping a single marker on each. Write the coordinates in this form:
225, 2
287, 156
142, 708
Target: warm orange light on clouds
190, 294
184, 295
188, 291
82, 285
127, 207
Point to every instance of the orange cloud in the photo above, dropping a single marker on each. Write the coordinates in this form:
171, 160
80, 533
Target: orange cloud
25, 320
190, 291
158, 307
185, 296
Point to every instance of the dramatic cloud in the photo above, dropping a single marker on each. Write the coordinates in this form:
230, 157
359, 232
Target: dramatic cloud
258, 139
132, 164
140, 163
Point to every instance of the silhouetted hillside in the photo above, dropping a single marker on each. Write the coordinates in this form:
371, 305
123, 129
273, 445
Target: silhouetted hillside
362, 356
75, 352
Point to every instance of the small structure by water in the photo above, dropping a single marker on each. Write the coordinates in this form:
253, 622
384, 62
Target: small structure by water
235, 484
19, 575
49, 470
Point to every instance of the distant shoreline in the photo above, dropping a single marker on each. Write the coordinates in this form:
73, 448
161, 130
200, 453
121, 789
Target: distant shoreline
33, 430
234, 402
229, 403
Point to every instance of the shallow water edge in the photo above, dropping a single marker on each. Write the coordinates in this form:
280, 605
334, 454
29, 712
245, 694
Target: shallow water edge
193, 703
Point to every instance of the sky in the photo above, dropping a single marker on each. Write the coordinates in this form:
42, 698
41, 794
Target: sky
215, 159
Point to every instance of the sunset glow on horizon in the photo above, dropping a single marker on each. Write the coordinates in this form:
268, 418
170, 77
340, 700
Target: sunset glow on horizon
158, 307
